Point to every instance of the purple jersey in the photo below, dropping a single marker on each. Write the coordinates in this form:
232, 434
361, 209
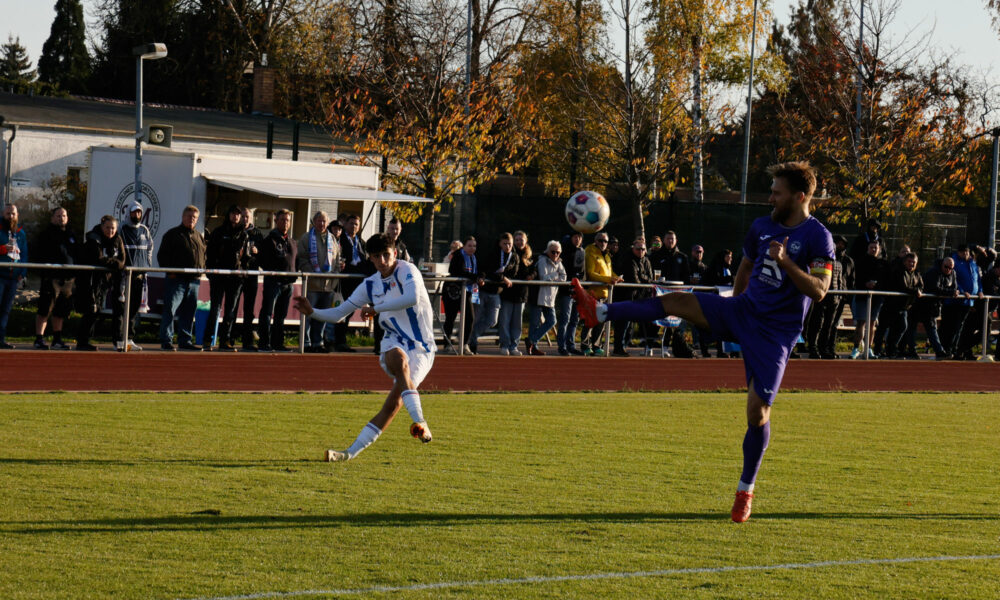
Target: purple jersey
770, 291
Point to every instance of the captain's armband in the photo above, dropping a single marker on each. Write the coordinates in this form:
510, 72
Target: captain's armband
821, 266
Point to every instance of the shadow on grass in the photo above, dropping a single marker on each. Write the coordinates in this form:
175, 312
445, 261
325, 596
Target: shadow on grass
200, 462
213, 522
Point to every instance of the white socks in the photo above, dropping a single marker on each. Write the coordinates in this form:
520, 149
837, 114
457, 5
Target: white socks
602, 312
411, 400
744, 487
368, 435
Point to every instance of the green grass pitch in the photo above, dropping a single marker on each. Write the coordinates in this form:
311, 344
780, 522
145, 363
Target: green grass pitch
205, 496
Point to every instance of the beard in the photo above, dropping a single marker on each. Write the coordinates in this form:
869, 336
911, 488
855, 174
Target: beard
780, 214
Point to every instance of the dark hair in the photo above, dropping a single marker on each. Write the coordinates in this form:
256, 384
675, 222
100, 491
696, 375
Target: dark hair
468, 238
839, 239
801, 177
345, 218
379, 243
395, 221
962, 247
234, 208
910, 255
107, 218
52, 212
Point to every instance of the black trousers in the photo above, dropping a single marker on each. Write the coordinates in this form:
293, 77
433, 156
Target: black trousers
134, 300
224, 291
248, 287
90, 312
452, 306
952, 321
276, 297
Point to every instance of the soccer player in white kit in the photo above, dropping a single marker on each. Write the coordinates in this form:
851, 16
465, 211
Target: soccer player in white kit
396, 296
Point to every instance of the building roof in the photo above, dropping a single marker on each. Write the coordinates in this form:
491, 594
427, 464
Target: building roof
115, 117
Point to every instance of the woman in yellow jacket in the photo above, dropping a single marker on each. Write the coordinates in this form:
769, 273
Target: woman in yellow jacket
598, 269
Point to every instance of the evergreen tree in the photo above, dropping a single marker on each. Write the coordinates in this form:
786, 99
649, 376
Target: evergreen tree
14, 62
65, 61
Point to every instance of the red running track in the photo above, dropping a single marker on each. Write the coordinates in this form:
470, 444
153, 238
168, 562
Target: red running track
224, 372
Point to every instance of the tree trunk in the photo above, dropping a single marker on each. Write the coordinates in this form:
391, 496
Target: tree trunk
696, 85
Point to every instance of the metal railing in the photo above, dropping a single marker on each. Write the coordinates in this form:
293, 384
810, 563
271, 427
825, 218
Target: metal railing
304, 278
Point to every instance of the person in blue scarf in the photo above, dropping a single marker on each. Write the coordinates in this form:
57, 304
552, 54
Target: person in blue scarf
319, 252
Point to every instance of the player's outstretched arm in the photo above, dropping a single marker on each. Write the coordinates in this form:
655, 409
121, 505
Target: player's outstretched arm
408, 298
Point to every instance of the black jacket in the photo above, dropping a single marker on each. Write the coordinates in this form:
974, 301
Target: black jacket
673, 264
456, 268
870, 268
940, 284
574, 260
633, 269
519, 292
56, 245
100, 251
719, 273
277, 253
364, 266
182, 248
493, 272
225, 247
906, 282
859, 248
255, 237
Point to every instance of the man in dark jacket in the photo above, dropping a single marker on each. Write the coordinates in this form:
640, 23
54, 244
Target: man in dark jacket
872, 233
870, 273
991, 287
905, 279
962, 316
182, 247
103, 248
498, 266
277, 253
821, 329
55, 245
634, 267
574, 259
138, 243
674, 267
226, 246
939, 281
248, 283
352, 250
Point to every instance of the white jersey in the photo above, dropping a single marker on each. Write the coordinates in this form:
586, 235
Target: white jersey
403, 306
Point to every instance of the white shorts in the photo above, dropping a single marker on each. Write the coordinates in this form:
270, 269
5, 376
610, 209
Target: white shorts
419, 360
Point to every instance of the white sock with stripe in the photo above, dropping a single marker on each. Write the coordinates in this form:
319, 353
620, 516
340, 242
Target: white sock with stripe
368, 435
411, 400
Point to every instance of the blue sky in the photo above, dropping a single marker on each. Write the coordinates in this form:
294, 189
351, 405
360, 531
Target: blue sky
962, 26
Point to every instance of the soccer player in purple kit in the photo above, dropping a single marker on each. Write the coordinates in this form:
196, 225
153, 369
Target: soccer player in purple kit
787, 263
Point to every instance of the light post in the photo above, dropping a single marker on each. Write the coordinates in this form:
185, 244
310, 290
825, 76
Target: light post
144, 52
746, 124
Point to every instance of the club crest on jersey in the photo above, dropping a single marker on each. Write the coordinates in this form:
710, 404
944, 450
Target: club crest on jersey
794, 247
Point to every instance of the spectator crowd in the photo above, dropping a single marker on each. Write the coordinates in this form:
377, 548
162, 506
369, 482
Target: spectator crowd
941, 299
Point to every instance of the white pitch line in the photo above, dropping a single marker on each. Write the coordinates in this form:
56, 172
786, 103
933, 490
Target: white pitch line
595, 576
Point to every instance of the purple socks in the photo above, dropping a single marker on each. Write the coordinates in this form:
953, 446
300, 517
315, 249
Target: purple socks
754, 445
649, 309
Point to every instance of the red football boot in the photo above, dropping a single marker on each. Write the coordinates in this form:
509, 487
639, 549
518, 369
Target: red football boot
741, 507
586, 305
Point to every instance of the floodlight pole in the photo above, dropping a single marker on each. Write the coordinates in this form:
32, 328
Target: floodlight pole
152, 52
746, 123
993, 189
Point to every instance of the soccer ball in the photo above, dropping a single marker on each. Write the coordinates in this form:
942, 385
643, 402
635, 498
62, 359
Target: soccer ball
587, 212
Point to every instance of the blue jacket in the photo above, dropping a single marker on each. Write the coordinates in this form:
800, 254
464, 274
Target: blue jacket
968, 277
22, 246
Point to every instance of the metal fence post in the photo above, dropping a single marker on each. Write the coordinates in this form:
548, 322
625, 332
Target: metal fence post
302, 317
461, 324
868, 332
125, 310
985, 356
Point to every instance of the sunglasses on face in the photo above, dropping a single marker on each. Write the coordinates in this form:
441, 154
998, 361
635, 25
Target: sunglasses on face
600, 241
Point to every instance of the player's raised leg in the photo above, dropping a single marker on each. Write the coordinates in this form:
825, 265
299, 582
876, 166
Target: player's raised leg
754, 444
678, 304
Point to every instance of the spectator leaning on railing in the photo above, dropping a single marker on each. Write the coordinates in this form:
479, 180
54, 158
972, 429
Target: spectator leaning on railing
102, 247
991, 287
969, 277
13, 249
56, 244
543, 314
182, 247
939, 281
634, 267
871, 271
903, 279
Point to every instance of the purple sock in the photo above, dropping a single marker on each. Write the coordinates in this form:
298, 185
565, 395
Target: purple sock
754, 445
649, 309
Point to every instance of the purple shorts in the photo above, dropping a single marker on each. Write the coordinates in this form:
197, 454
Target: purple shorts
765, 347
